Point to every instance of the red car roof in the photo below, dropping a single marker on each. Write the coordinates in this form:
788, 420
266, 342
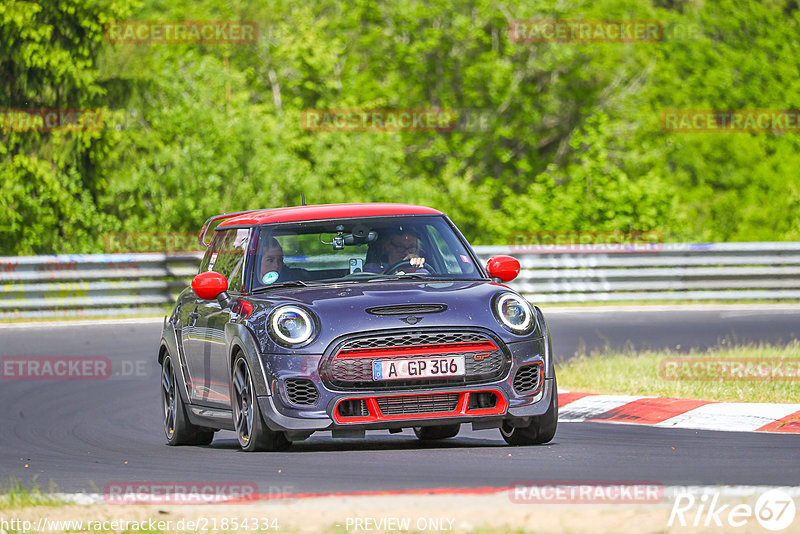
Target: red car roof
326, 211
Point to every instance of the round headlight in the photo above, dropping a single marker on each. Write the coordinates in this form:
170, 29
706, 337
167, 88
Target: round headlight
514, 313
291, 325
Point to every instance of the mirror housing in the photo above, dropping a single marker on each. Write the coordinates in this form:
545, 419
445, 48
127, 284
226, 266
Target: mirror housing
210, 286
503, 268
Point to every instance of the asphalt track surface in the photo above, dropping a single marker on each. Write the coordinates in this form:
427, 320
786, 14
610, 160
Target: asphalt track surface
82, 435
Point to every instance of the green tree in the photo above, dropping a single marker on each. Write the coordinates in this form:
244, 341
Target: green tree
50, 181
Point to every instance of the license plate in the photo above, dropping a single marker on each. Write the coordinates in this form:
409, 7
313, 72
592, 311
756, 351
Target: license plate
410, 368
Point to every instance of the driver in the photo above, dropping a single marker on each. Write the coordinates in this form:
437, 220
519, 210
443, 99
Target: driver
272, 267
393, 248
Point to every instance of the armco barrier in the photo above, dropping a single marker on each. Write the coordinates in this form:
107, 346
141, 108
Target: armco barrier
92, 284
119, 284
671, 271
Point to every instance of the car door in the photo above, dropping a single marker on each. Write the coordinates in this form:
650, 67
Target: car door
207, 358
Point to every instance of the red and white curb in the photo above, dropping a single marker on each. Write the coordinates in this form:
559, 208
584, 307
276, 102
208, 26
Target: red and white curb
679, 413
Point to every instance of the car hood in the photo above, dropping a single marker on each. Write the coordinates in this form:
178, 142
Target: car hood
341, 308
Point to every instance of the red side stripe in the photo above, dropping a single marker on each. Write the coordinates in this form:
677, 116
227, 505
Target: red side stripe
790, 424
649, 411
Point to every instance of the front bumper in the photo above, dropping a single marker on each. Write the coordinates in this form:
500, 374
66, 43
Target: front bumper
281, 414
311, 421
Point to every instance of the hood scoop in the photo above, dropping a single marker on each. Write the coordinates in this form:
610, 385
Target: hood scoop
407, 309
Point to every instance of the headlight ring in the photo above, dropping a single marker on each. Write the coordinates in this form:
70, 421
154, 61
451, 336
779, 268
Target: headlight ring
291, 326
514, 313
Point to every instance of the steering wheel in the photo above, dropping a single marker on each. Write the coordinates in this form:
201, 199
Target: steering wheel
404, 263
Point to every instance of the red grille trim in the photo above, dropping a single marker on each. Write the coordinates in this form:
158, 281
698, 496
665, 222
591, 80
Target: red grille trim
462, 410
421, 350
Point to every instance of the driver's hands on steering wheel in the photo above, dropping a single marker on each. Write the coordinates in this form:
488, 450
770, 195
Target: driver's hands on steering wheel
415, 261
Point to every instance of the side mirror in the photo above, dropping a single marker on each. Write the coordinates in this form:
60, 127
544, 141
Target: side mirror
503, 268
210, 286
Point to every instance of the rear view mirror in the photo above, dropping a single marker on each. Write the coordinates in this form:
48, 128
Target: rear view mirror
360, 239
361, 235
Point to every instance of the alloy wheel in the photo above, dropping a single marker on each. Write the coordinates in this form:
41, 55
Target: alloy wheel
243, 401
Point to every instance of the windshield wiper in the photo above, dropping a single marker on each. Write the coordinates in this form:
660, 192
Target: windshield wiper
404, 276
288, 283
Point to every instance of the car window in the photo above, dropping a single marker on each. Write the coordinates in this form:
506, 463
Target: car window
352, 250
454, 262
227, 254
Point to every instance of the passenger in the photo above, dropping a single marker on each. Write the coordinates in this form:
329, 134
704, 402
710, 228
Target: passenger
272, 267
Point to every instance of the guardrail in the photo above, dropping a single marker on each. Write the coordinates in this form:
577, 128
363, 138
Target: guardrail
679, 271
124, 284
93, 284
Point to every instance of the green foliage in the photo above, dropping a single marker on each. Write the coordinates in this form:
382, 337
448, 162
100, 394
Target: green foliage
50, 182
572, 140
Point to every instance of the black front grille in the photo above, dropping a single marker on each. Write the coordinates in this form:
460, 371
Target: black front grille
490, 365
527, 379
352, 369
301, 391
412, 339
407, 309
355, 373
415, 404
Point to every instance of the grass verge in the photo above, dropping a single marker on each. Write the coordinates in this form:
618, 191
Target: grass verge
716, 374
14, 495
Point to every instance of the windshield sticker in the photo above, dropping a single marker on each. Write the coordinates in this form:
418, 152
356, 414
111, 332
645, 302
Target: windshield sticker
212, 261
270, 277
464, 258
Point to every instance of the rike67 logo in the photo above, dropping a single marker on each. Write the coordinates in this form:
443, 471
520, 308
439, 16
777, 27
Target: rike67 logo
774, 510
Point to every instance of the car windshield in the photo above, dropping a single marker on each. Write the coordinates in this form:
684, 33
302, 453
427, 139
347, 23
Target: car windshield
360, 250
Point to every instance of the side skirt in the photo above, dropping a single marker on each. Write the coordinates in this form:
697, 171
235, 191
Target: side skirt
210, 417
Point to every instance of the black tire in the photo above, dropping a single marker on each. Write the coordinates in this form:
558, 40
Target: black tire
426, 433
251, 431
541, 429
177, 427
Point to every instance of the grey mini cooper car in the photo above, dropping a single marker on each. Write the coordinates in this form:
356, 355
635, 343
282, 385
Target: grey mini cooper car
347, 318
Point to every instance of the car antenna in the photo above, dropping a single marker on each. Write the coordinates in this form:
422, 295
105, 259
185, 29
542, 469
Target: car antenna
303, 198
